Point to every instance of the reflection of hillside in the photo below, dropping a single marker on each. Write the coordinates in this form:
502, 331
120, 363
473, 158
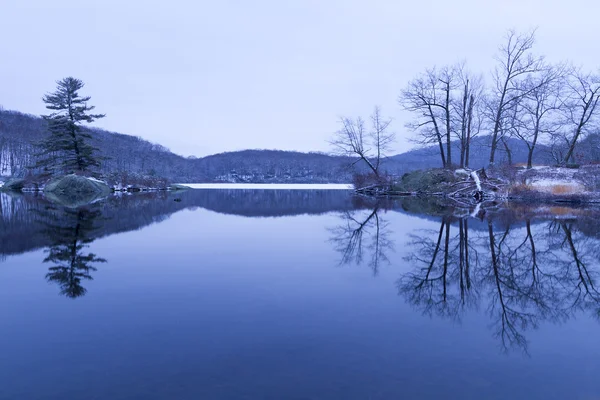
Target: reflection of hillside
22, 216
271, 203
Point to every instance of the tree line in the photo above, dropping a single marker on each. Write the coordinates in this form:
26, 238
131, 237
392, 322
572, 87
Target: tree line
525, 98
121, 154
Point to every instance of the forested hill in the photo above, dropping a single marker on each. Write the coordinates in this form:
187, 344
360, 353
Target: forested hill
19, 132
125, 153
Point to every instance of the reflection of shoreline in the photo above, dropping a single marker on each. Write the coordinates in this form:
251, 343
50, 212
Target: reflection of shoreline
521, 273
20, 225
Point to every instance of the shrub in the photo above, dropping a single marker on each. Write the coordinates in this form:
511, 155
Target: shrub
124, 179
369, 179
521, 189
561, 189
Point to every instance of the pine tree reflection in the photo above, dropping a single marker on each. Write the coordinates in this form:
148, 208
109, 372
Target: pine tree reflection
71, 232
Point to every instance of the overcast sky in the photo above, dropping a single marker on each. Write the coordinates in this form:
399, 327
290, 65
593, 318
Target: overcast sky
202, 77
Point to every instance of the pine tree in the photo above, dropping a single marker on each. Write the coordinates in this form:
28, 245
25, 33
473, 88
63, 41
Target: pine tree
67, 148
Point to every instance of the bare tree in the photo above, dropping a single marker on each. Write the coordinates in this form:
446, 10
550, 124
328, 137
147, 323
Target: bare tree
448, 78
381, 138
581, 107
537, 114
429, 97
467, 112
369, 146
515, 63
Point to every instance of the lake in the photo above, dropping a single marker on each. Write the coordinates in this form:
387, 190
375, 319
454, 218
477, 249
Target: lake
297, 294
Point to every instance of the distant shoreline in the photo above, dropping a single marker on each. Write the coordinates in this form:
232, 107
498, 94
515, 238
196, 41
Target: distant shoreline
271, 186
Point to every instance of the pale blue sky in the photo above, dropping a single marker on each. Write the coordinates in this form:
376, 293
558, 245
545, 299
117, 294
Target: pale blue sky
209, 76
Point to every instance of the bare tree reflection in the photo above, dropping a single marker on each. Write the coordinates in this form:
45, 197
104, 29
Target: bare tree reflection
508, 304
363, 232
578, 253
441, 283
529, 274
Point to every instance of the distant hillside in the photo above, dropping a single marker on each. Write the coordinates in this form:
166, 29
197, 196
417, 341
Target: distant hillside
479, 155
274, 166
18, 133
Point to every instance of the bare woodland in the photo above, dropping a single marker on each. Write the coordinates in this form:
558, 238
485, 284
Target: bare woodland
525, 98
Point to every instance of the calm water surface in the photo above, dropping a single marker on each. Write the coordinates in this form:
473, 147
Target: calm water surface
296, 294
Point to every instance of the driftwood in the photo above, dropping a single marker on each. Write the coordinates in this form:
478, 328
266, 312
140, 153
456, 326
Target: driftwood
476, 187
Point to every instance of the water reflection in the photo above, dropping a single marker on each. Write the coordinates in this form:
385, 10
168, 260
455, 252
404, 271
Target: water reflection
70, 232
443, 265
30, 222
363, 232
520, 267
20, 224
521, 272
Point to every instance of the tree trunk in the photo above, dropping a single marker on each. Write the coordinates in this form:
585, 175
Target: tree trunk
439, 136
463, 133
497, 122
532, 147
448, 139
508, 151
570, 153
469, 124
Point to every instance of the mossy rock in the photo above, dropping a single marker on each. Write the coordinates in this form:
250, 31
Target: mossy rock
13, 185
425, 181
74, 190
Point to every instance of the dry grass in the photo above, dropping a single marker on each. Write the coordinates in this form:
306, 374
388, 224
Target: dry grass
556, 190
521, 188
562, 189
560, 210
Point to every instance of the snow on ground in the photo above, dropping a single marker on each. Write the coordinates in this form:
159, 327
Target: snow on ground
89, 178
1, 183
279, 186
557, 186
554, 180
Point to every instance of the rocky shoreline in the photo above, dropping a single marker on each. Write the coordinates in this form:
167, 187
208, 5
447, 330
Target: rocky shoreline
544, 184
75, 190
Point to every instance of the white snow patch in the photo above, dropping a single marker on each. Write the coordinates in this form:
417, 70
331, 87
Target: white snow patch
461, 172
476, 179
553, 185
476, 210
89, 178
